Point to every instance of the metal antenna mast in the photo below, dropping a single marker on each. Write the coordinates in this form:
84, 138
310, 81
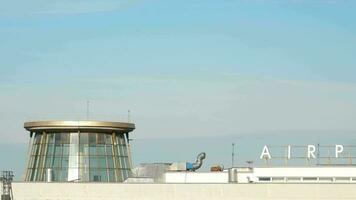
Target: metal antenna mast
88, 109
129, 116
6, 178
233, 155
318, 155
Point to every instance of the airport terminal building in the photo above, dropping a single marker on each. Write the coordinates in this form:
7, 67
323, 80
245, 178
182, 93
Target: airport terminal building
92, 160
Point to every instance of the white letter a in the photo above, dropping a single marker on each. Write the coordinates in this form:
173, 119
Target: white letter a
265, 153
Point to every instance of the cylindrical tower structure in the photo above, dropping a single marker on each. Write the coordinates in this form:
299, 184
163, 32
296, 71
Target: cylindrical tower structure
78, 151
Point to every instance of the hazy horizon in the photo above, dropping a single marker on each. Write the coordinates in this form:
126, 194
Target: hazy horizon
184, 69
218, 149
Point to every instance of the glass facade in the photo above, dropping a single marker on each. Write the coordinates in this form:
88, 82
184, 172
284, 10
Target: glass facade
79, 157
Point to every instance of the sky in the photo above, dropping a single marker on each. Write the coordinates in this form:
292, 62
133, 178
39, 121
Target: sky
184, 69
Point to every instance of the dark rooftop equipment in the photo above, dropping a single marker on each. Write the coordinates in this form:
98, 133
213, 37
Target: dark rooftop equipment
6, 178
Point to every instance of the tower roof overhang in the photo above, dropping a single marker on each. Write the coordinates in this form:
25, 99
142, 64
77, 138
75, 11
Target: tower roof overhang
66, 126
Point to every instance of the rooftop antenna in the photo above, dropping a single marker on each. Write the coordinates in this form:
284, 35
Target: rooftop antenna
318, 155
88, 109
128, 116
233, 155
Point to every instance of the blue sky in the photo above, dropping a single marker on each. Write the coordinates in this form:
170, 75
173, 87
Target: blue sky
308, 40
190, 62
183, 68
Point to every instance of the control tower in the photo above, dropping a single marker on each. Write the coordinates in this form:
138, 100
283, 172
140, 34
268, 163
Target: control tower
78, 151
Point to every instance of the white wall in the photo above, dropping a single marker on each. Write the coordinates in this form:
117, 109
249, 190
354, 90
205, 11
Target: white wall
297, 172
246, 176
306, 171
92, 191
196, 177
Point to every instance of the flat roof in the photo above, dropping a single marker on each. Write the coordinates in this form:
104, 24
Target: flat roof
100, 126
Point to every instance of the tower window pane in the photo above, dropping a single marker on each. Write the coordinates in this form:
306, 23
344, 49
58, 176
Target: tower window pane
110, 162
73, 149
92, 150
122, 162
73, 161
93, 162
35, 149
102, 162
104, 175
56, 174
64, 174
65, 162
101, 138
49, 161
65, 149
84, 162
95, 176
100, 150
111, 176
84, 174
109, 150
50, 149
84, 150
37, 138
64, 138
84, 138
108, 139
57, 162
50, 138
57, 139
58, 150
92, 138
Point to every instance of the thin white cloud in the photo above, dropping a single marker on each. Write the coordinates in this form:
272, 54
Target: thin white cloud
296, 1
63, 7
223, 104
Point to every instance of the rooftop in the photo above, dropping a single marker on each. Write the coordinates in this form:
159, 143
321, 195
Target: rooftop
103, 126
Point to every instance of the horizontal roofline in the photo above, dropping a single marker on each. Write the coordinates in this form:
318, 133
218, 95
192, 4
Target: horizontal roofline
101, 126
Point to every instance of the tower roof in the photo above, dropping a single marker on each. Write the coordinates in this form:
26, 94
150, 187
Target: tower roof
100, 126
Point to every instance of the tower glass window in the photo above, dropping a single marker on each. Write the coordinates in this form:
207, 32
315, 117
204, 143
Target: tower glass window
83, 151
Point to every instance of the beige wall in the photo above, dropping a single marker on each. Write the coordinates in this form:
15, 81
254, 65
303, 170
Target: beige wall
88, 191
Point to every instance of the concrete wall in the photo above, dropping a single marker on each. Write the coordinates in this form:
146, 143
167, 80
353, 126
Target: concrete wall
92, 191
304, 171
194, 177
